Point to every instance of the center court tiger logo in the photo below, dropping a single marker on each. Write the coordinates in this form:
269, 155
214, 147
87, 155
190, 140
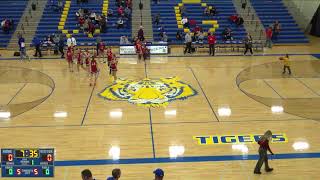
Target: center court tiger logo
148, 92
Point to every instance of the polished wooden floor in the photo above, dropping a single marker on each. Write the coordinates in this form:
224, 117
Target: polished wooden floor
87, 129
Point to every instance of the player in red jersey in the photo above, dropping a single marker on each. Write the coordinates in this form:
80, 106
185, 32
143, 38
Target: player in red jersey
70, 59
113, 67
109, 56
94, 71
102, 48
79, 59
87, 56
139, 49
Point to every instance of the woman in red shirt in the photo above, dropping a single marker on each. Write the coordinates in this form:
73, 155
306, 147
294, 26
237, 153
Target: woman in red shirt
70, 59
263, 156
113, 67
109, 56
101, 47
94, 71
79, 59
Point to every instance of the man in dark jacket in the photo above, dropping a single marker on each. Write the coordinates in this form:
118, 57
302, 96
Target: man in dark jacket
37, 43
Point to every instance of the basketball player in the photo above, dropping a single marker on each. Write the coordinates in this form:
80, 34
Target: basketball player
263, 157
113, 67
79, 59
102, 48
70, 59
286, 64
94, 71
109, 56
87, 56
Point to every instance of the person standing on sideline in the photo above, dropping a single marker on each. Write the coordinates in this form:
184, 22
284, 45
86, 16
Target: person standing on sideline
212, 42
276, 30
248, 44
22, 47
188, 41
116, 174
37, 43
94, 71
158, 174
70, 59
263, 156
61, 45
113, 67
71, 42
286, 64
269, 37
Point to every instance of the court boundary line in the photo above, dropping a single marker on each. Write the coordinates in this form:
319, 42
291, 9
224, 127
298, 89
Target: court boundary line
209, 103
150, 116
304, 84
88, 104
186, 159
137, 124
272, 88
197, 55
24, 85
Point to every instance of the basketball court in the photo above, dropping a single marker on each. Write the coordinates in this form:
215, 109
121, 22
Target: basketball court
207, 134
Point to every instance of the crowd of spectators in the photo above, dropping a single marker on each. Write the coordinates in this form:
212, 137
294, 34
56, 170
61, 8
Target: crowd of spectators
89, 21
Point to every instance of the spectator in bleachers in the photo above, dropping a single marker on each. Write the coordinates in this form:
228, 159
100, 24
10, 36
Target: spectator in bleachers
269, 37
120, 11
206, 11
179, 35
141, 34
211, 41
276, 30
37, 43
116, 174
158, 174
5, 26
213, 11
127, 12
161, 29
110, 13
234, 18
239, 21
86, 175
124, 40
248, 44
91, 28
188, 41
103, 23
120, 23
196, 30
164, 37
156, 1
129, 4
227, 34
182, 10
200, 37
156, 19
61, 44
185, 22
81, 21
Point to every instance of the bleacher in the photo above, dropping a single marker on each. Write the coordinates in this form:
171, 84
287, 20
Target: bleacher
50, 22
271, 10
11, 10
225, 9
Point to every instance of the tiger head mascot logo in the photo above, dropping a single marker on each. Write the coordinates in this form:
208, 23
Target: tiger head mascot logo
148, 92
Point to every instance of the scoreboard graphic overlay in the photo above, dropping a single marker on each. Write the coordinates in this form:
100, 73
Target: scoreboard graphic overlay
27, 162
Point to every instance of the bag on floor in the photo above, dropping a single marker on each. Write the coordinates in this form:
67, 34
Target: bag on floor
16, 53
